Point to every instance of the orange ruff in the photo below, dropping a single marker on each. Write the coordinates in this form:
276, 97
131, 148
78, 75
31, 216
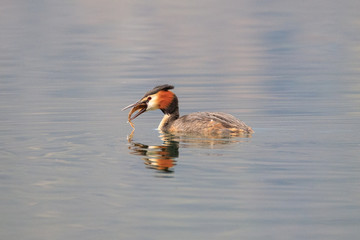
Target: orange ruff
166, 97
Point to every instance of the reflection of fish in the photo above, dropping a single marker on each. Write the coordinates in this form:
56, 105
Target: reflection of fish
200, 123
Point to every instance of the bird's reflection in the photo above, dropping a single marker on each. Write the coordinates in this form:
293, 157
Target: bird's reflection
160, 157
163, 157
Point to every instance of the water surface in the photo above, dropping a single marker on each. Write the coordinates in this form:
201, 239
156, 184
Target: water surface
288, 69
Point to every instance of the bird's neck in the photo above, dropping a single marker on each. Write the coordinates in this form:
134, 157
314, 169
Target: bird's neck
171, 113
169, 118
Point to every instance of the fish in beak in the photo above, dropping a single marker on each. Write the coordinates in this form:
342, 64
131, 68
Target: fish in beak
138, 106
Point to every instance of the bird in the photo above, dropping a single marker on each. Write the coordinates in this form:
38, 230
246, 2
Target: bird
215, 124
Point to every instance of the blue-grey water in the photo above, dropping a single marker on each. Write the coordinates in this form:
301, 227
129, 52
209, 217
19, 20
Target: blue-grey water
289, 69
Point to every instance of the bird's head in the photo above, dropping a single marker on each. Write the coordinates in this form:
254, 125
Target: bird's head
158, 98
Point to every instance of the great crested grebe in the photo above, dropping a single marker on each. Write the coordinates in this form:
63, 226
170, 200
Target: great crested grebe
200, 123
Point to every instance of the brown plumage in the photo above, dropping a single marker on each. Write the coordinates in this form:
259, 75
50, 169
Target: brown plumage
203, 123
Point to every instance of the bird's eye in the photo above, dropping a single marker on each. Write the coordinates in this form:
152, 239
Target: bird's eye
149, 98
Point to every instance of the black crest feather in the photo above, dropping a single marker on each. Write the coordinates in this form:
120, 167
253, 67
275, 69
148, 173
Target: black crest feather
156, 89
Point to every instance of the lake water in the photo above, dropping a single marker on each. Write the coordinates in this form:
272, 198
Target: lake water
289, 69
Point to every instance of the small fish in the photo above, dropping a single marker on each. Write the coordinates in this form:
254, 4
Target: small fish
140, 107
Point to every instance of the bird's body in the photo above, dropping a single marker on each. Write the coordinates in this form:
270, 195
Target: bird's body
205, 123
198, 123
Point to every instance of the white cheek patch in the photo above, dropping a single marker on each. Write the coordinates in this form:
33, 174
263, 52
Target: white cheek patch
152, 104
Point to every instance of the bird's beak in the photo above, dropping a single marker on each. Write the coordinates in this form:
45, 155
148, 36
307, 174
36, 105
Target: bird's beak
138, 106
131, 105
